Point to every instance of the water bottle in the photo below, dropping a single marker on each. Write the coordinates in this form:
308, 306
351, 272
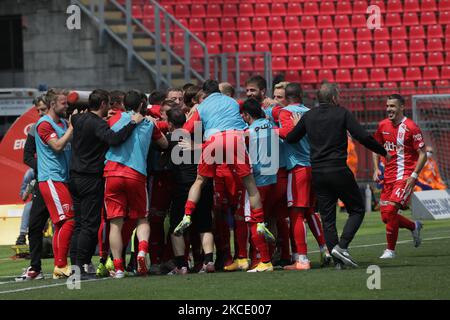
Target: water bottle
368, 199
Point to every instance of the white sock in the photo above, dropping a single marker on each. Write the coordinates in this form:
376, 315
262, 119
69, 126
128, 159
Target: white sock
303, 258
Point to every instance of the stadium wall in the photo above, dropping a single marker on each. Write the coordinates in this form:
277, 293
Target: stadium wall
58, 57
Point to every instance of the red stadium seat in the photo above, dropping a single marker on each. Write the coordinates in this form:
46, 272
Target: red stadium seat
214, 11
341, 21
278, 9
310, 8
444, 5
295, 63
279, 49
213, 38
230, 10
346, 34
424, 87
295, 49
259, 63
434, 45
294, 9
228, 48
390, 87
329, 35
428, 18
259, 23
262, 36
246, 63
262, 10
435, 59
393, 19
246, 37
381, 46
399, 46
308, 22
279, 36
435, 31
149, 11
363, 34
407, 87
400, 59
275, 23
293, 76
279, 64
383, 34
196, 24
327, 8
416, 32
309, 76
411, 6
344, 7
212, 24
312, 48
347, 61
430, 73
360, 75
182, 11
246, 10
346, 47
198, 11
413, 74
313, 62
329, 47
229, 37
325, 74
292, 23
416, 46
329, 62
377, 75
410, 19
324, 22
417, 59
394, 6
442, 86
343, 76
429, 5
364, 61
227, 24
382, 60
360, 7
444, 17
295, 36
363, 47
380, 4
262, 47
136, 12
395, 74
312, 35
359, 21
372, 88
445, 72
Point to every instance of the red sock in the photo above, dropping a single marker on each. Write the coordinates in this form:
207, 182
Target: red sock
156, 240
257, 215
64, 237
143, 246
283, 236
189, 208
55, 244
260, 243
118, 264
241, 237
405, 223
315, 225
299, 231
390, 218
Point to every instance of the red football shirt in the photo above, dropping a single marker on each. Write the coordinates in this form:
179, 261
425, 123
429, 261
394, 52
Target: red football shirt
402, 142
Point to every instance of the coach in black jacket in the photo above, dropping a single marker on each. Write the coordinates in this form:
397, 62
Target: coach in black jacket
91, 140
326, 127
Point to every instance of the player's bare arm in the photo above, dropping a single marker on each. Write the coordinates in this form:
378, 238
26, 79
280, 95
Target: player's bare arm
411, 182
58, 145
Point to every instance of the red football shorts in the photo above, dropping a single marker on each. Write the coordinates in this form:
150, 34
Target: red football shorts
58, 200
299, 189
395, 192
125, 197
225, 147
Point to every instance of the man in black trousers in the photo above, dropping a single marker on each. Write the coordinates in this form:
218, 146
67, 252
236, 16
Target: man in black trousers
39, 213
326, 127
91, 139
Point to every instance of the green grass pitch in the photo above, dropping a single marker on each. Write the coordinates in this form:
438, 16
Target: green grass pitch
416, 273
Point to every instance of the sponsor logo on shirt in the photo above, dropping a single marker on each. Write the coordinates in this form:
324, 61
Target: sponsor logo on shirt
417, 137
390, 146
386, 133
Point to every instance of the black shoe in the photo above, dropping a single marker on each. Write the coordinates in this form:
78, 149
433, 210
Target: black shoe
87, 276
282, 263
344, 256
21, 240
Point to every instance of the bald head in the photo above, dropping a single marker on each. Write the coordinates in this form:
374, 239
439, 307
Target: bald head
227, 89
328, 93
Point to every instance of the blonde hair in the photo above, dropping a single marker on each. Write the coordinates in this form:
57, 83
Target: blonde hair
52, 94
281, 85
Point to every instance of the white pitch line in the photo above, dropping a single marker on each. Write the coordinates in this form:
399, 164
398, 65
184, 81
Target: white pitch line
48, 286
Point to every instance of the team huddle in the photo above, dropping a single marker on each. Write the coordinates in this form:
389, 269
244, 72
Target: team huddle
264, 168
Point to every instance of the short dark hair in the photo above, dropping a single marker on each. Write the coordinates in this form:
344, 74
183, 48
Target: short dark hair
170, 103
39, 99
117, 96
190, 94
398, 97
173, 89
293, 92
253, 108
96, 98
260, 82
177, 117
187, 86
327, 91
132, 100
156, 97
210, 86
